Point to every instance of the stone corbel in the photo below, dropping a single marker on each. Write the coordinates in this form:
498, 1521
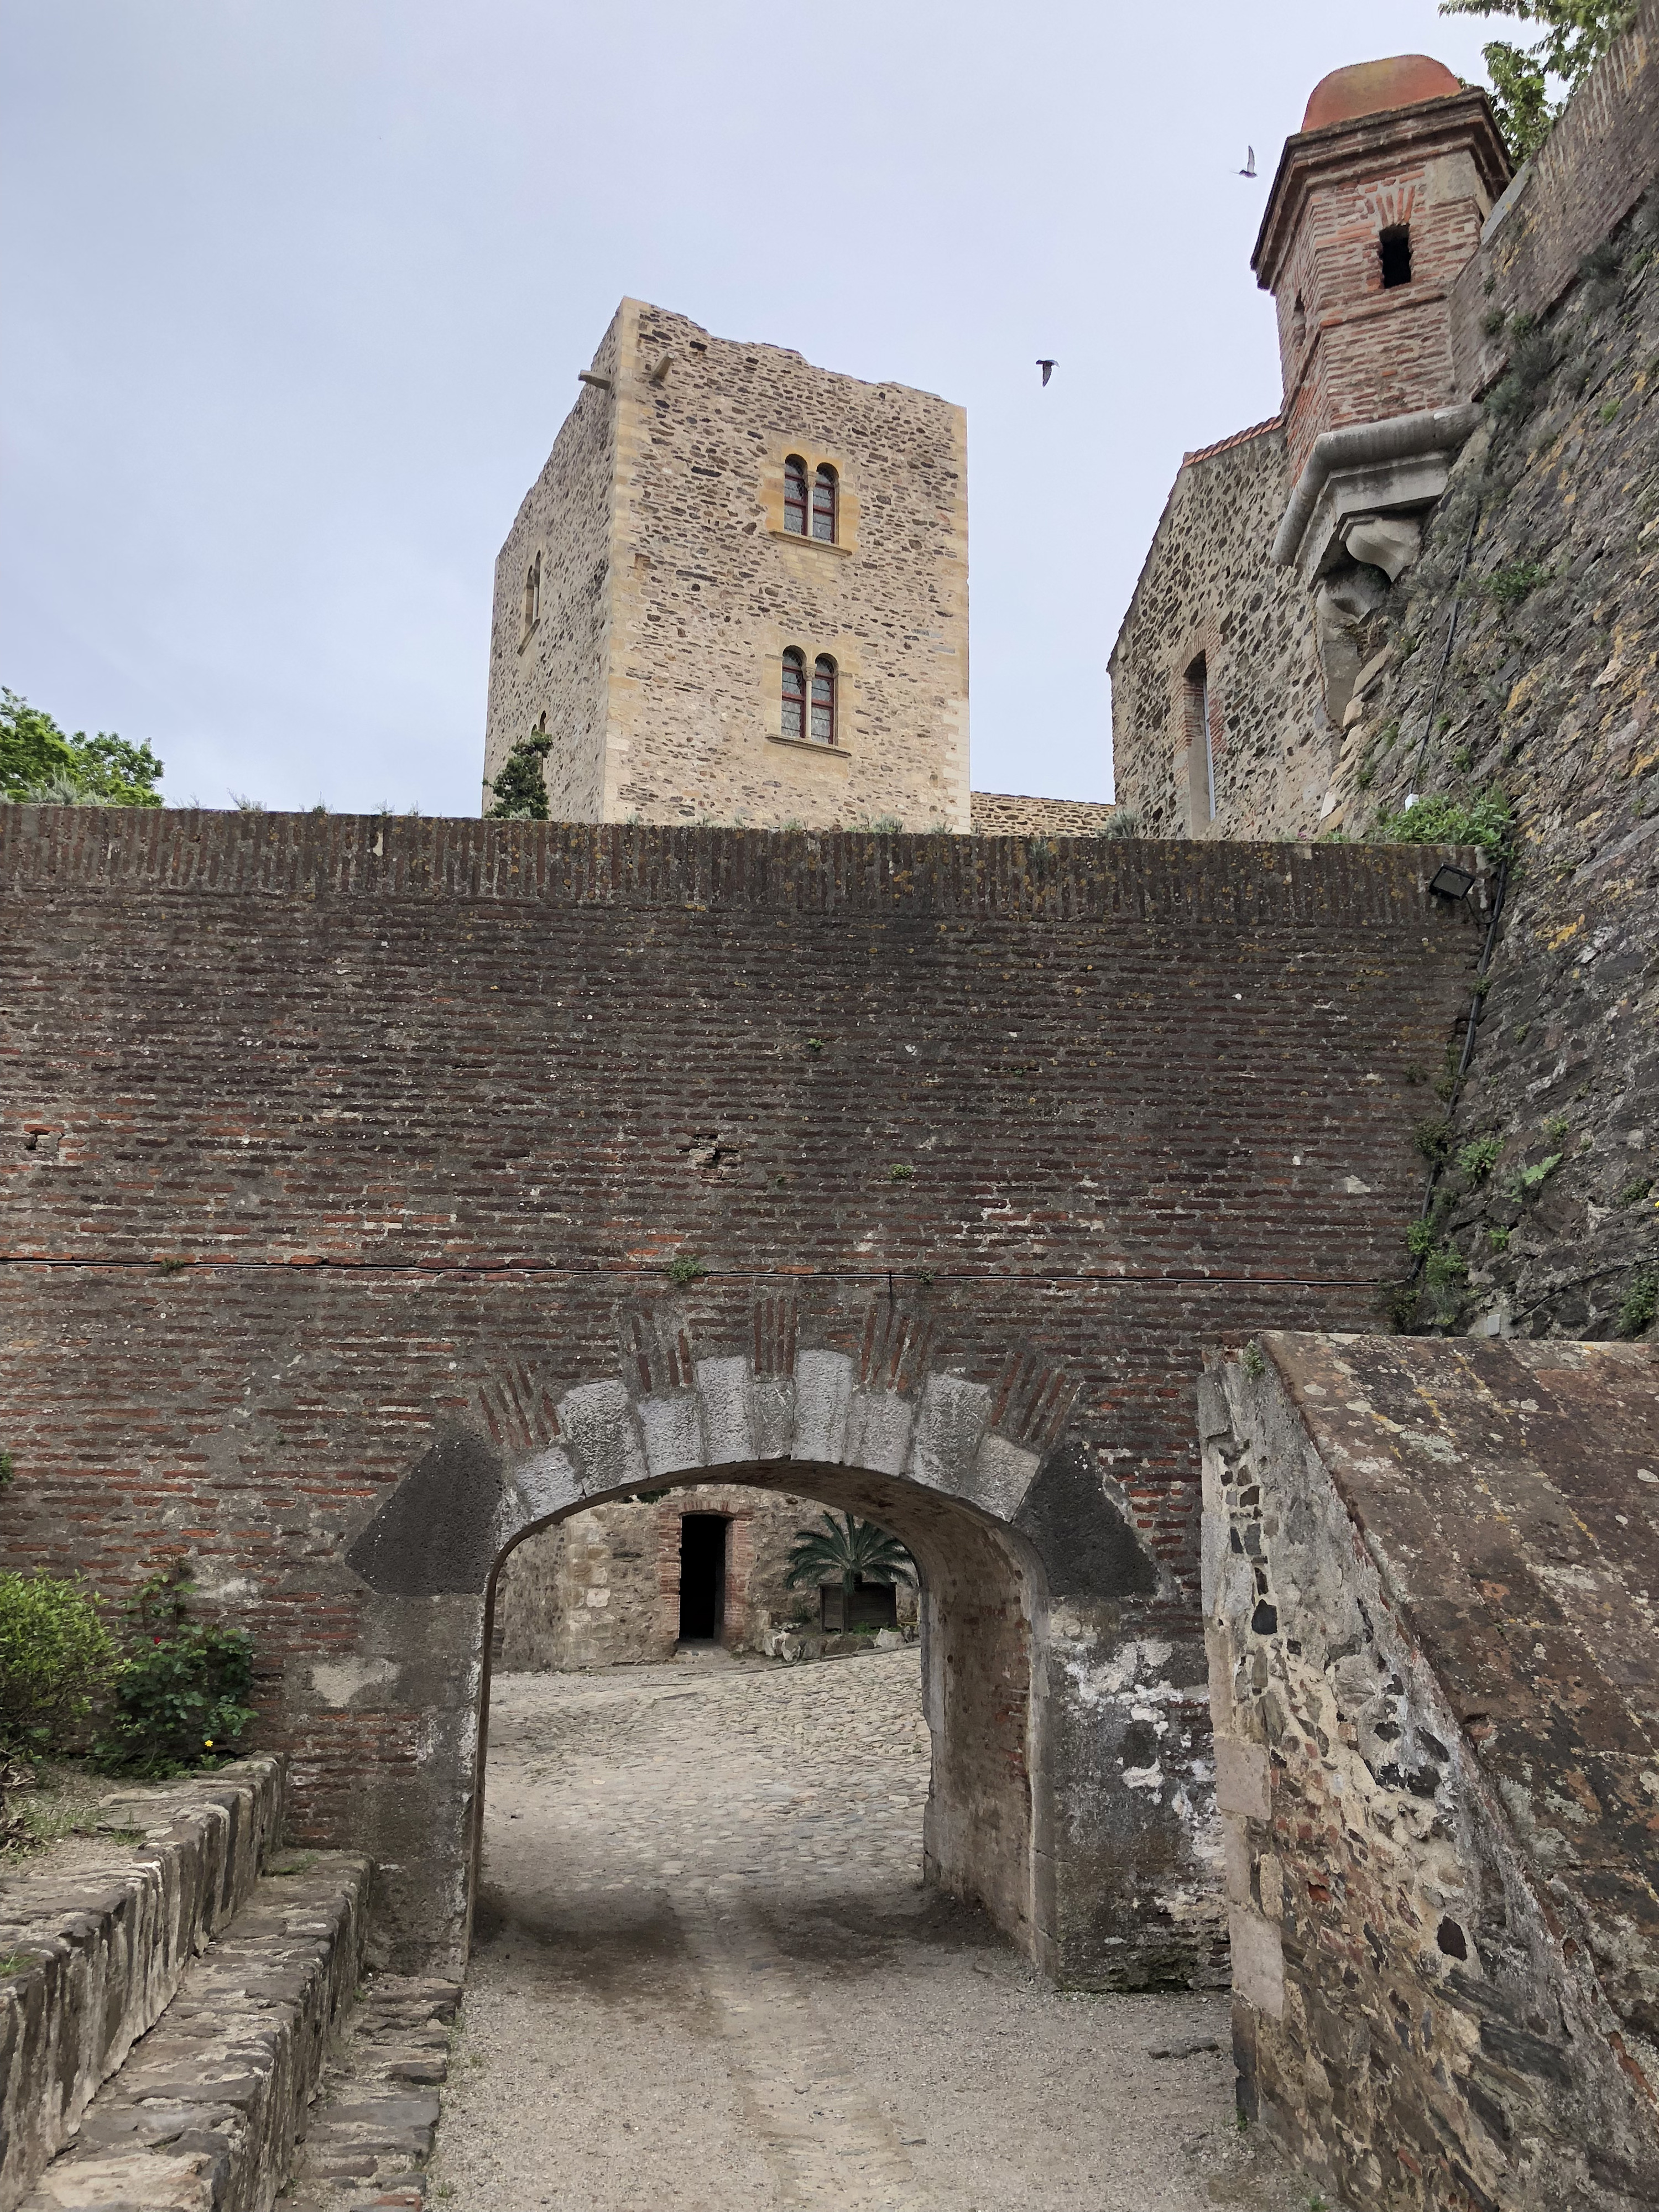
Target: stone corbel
1365, 488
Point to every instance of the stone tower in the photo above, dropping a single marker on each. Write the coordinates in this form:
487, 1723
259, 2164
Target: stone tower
738, 591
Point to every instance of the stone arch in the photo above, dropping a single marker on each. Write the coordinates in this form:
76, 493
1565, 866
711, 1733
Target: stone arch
977, 1476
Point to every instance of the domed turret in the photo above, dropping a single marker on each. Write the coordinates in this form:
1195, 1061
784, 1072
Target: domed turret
1374, 88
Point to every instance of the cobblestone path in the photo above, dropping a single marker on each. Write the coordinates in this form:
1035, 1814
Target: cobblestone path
706, 1976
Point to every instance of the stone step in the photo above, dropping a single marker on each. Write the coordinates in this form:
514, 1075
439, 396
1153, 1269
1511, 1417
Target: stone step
98, 1953
204, 2114
371, 2132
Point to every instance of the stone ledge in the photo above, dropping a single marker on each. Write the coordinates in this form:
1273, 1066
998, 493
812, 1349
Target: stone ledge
108, 1948
208, 2109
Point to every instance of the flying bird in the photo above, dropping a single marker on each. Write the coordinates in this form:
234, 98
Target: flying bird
1249, 169
1048, 369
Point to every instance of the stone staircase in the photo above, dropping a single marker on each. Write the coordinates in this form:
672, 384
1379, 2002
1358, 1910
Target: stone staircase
178, 2019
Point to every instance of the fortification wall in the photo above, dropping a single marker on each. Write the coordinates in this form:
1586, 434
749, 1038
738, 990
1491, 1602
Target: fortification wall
325, 1131
1432, 1675
1549, 696
1205, 588
1010, 814
558, 668
1581, 185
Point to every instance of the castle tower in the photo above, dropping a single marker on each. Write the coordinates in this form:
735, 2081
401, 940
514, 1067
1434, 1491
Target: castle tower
1377, 204
738, 591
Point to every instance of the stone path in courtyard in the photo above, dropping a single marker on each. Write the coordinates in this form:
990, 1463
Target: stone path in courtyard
706, 1976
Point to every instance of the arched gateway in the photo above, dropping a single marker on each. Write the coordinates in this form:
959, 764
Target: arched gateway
854, 1406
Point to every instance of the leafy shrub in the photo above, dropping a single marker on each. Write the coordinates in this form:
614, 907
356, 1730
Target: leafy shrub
56, 1655
686, 1267
1509, 587
1124, 823
1420, 1239
1487, 821
180, 1693
1635, 1191
1528, 1180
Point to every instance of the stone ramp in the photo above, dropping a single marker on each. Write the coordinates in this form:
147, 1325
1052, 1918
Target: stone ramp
204, 2114
99, 1951
1430, 1569
371, 2132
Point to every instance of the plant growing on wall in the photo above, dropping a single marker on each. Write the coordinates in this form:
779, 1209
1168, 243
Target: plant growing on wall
181, 1692
1572, 37
848, 1550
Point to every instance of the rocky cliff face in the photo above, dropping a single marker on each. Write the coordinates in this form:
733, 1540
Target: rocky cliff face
1542, 570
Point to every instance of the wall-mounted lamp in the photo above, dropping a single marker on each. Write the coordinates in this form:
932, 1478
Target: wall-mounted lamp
1451, 883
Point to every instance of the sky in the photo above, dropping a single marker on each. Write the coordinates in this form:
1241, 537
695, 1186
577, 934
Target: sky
296, 292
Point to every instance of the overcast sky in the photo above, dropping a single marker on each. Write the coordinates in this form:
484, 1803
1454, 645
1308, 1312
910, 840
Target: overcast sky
296, 293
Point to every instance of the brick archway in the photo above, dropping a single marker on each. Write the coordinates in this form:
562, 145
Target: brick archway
954, 1465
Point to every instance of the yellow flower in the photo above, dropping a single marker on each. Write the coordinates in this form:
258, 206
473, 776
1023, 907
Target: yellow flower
208, 1741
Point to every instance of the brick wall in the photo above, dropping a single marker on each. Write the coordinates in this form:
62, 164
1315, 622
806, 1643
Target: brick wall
1205, 588
318, 1128
1432, 1675
682, 557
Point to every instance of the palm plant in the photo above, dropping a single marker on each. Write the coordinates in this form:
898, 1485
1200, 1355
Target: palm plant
848, 1550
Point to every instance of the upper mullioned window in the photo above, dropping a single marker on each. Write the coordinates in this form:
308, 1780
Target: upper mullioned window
809, 506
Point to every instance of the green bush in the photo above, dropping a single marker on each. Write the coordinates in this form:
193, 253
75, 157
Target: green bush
1477, 1160
181, 1692
56, 1655
1487, 821
39, 762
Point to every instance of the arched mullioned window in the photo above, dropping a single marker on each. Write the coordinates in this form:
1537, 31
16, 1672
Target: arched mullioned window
824, 701
794, 694
824, 506
794, 497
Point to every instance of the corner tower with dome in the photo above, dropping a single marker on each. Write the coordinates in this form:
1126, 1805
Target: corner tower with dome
1268, 589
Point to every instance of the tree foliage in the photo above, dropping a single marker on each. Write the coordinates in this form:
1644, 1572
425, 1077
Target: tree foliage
39, 762
520, 789
848, 1550
1572, 37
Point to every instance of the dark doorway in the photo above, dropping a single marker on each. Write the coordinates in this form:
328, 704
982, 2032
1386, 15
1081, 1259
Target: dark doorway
702, 1577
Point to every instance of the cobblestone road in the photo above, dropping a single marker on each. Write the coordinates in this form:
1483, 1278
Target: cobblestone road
706, 1975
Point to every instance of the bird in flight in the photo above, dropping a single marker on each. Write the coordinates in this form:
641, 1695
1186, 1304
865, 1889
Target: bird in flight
1048, 369
1249, 169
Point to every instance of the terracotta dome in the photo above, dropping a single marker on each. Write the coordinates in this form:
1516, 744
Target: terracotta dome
1370, 87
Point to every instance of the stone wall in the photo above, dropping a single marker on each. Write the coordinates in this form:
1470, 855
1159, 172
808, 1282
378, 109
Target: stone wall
603, 1589
336, 1144
1205, 588
1433, 1670
1007, 814
1549, 696
556, 674
702, 591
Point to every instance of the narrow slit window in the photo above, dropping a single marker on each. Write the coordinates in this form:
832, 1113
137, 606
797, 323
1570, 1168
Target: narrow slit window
824, 506
1298, 325
824, 701
533, 593
1394, 251
1200, 743
794, 694
794, 495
